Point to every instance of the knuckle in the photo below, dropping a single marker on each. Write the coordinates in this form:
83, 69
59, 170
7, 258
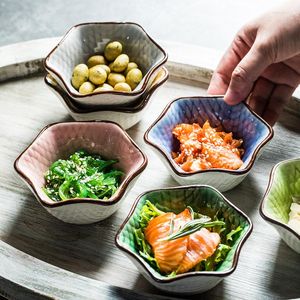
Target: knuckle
239, 38
267, 50
263, 47
239, 74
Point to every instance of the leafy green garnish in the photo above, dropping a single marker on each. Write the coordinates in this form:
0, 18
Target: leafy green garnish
144, 248
173, 274
233, 233
82, 176
212, 263
148, 212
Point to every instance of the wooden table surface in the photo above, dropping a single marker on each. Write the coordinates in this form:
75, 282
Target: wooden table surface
41, 256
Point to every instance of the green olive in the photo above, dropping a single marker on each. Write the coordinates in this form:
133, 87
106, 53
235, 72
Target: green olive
96, 60
112, 50
80, 75
97, 75
120, 63
106, 68
134, 77
131, 65
104, 87
114, 78
122, 87
86, 88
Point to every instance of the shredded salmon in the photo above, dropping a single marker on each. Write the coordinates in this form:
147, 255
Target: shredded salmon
182, 254
206, 147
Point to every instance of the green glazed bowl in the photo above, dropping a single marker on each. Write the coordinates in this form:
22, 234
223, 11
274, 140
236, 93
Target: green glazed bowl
284, 183
201, 198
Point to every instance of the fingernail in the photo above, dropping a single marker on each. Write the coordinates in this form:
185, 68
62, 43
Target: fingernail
232, 97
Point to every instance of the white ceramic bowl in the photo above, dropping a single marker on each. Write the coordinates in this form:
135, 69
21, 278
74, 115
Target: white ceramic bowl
84, 40
60, 140
125, 116
284, 183
238, 119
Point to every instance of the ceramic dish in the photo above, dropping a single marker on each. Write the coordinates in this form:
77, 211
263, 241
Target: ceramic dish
199, 198
284, 183
126, 116
83, 40
59, 140
238, 119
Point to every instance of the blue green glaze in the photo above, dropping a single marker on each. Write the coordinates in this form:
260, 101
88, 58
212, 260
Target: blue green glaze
203, 199
238, 119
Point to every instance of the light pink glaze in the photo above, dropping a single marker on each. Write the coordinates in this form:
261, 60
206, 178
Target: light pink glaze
62, 139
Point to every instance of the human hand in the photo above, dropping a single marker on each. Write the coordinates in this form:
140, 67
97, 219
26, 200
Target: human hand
262, 65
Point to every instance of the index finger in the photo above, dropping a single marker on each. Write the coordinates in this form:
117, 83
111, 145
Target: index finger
222, 75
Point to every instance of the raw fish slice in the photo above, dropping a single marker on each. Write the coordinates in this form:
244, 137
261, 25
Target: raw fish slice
201, 245
168, 254
158, 228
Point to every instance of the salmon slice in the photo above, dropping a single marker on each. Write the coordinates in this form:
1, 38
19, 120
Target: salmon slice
168, 254
201, 245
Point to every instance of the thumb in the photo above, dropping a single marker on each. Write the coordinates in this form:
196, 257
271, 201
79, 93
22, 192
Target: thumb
245, 74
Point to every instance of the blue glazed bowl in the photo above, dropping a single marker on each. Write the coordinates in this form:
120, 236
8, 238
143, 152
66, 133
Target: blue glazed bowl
238, 119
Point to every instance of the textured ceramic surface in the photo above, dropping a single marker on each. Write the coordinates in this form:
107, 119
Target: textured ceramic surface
275, 207
126, 116
238, 119
203, 199
62, 139
83, 40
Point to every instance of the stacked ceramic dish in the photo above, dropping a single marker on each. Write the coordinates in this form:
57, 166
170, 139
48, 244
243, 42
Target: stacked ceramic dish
87, 39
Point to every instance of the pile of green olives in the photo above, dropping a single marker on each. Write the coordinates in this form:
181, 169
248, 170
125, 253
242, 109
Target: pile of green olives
112, 71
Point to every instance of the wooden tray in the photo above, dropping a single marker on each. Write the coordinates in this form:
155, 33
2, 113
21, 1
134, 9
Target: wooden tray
42, 257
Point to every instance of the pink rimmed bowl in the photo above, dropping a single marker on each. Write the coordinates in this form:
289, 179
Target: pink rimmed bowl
59, 140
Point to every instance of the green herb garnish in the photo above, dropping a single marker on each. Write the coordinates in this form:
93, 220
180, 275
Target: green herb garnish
191, 227
82, 175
